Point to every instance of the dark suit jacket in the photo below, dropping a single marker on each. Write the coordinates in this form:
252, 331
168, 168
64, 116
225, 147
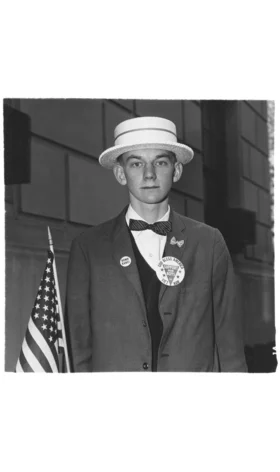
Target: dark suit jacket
106, 316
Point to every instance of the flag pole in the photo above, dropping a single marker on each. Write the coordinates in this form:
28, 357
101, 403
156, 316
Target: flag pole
59, 302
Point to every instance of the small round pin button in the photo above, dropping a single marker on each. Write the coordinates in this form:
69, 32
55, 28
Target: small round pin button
125, 261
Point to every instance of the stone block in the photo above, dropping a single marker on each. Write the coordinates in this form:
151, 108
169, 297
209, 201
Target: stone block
193, 124
257, 295
113, 116
209, 159
126, 103
256, 104
195, 209
262, 135
250, 193
246, 159
191, 181
169, 109
215, 153
266, 174
264, 213
45, 195
248, 122
264, 109
95, 195
75, 123
177, 202
256, 166
205, 115
270, 248
31, 233
261, 240
249, 252
9, 196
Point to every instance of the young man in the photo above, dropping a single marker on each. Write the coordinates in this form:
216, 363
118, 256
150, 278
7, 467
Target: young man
151, 290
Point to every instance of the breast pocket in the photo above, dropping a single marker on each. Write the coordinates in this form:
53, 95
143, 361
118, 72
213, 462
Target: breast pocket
195, 286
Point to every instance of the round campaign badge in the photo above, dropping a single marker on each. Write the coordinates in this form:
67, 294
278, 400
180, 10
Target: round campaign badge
170, 271
125, 261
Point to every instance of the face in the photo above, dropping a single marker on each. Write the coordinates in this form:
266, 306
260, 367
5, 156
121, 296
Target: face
148, 174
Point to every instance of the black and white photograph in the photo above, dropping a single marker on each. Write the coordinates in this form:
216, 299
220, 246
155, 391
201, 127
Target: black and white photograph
159, 218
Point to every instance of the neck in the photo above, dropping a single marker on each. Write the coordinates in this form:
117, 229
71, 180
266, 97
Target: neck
149, 212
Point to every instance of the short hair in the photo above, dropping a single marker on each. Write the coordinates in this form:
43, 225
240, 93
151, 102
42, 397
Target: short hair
119, 160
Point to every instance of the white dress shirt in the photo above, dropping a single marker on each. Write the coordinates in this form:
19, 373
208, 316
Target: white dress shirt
150, 244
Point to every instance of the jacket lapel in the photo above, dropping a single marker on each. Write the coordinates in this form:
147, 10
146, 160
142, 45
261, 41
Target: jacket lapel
122, 247
179, 233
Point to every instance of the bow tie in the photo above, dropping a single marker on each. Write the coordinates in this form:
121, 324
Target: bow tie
159, 227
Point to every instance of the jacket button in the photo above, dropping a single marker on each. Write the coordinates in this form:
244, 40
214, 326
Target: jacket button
144, 323
145, 366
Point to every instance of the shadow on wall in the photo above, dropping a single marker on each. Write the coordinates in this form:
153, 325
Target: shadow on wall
261, 358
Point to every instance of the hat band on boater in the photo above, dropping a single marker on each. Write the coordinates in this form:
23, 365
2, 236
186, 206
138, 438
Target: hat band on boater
117, 138
145, 136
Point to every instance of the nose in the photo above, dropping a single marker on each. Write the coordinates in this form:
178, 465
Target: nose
149, 172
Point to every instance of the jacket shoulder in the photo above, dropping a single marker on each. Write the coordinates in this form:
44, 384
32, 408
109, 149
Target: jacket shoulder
203, 234
194, 224
96, 232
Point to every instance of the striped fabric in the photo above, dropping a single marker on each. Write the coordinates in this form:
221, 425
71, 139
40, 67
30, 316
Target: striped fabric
159, 227
43, 339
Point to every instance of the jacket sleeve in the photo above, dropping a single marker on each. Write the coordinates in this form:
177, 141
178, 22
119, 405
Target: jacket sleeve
227, 314
77, 313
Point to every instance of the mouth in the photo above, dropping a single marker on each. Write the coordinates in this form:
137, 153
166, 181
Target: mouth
150, 188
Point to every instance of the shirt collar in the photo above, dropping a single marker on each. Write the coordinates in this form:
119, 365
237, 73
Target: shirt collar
132, 214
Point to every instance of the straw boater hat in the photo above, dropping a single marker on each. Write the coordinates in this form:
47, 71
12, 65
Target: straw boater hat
145, 133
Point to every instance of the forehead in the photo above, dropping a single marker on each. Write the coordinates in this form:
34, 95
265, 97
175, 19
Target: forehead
148, 154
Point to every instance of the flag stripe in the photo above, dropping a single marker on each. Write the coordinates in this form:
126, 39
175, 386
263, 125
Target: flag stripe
37, 351
31, 359
59, 338
49, 350
18, 367
55, 355
24, 364
40, 340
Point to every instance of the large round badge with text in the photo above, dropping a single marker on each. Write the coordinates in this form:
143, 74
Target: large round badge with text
170, 271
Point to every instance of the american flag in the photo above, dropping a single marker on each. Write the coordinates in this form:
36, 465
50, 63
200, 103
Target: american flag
43, 340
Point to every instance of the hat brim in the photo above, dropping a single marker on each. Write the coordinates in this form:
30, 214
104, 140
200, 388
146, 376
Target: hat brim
183, 153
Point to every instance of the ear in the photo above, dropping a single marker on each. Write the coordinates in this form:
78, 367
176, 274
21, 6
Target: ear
119, 174
178, 169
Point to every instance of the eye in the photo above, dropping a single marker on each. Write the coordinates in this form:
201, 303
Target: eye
162, 163
136, 164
